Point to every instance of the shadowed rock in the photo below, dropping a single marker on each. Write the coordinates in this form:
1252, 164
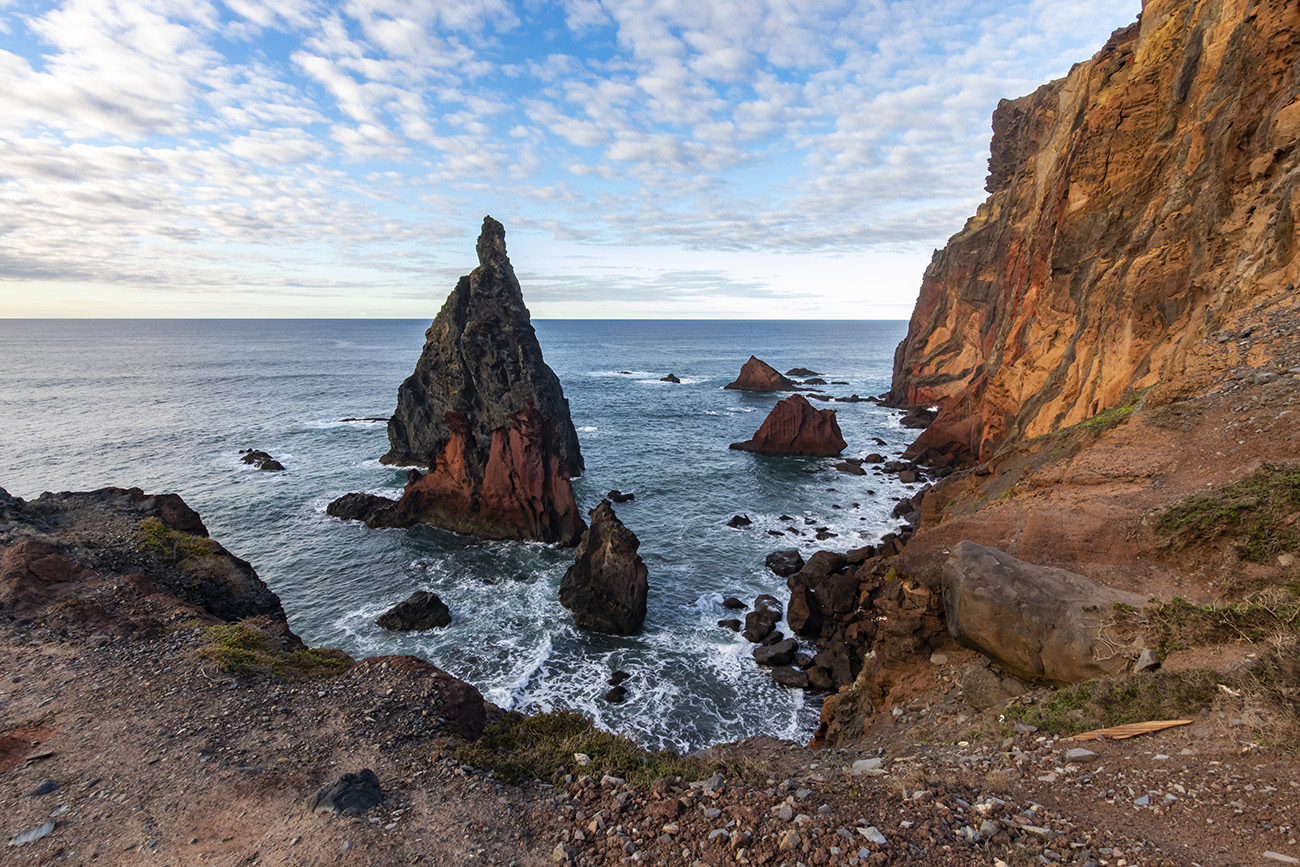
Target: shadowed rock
421, 610
795, 427
487, 416
758, 375
606, 586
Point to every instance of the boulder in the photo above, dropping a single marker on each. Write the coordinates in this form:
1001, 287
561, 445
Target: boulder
780, 653
795, 427
791, 677
730, 623
369, 508
670, 378
606, 586
487, 416
739, 521
784, 563
801, 371
757, 375
348, 795
815, 380
617, 496
850, 468
419, 611
1039, 623
261, 460
803, 613
760, 622
733, 603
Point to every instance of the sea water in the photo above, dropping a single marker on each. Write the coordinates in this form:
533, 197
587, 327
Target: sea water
166, 405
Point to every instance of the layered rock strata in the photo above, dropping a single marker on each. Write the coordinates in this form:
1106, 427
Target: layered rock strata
1135, 206
606, 587
487, 417
758, 375
795, 427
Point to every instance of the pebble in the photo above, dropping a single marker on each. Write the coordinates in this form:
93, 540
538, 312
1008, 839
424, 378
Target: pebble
867, 767
44, 787
872, 833
792, 840
1079, 754
31, 835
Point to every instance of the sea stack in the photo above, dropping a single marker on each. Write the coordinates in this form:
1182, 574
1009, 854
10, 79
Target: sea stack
795, 427
758, 375
486, 415
606, 586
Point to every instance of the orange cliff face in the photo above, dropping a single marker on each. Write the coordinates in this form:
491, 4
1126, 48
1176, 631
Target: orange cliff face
1136, 206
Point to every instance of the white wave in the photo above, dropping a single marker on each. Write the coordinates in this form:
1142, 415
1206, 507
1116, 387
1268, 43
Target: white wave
507, 695
588, 428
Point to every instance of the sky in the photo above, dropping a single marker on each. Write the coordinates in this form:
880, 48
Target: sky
649, 158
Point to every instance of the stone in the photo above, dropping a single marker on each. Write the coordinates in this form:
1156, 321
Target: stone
866, 767
739, 521
487, 416
780, 653
733, 603
801, 371
1147, 660
795, 427
616, 695
261, 460
731, 623
370, 509
850, 468
784, 563
758, 375
1040, 623
347, 795
803, 613
617, 496
820, 679
760, 622
606, 587
619, 676
44, 787
31, 835
790, 841
873, 835
670, 378
420, 611
789, 676
981, 688
1078, 755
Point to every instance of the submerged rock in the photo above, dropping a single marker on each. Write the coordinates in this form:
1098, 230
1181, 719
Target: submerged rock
487, 416
261, 460
758, 375
419, 611
795, 427
606, 586
672, 377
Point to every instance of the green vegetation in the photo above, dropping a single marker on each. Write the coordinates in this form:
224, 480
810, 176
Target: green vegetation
242, 648
171, 545
1102, 421
521, 747
1137, 698
1179, 624
1260, 510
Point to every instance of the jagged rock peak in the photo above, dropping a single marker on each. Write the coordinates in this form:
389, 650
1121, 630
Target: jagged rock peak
606, 586
796, 427
487, 416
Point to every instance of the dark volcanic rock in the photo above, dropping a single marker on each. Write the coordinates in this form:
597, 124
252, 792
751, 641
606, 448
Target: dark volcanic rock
348, 795
760, 622
733, 603
791, 677
795, 427
731, 623
487, 416
616, 694
606, 586
617, 496
815, 380
261, 460
850, 468
672, 377
801, 371
784, 563
757, 375
372, 509
421, 610
738, 521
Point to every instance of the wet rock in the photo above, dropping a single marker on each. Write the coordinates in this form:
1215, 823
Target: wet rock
616, 695
739, 521
780, 653
732, 623
348, 795
795, 427
618, 677
261, 460
803, 613
760, 622
791, 677
784, 563
606, 586
419, 611
617, 496
801, 371
758, 375
733, 603
370, 509
850, 468
670, 378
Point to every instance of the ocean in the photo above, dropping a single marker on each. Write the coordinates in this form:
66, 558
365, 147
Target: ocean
166, 405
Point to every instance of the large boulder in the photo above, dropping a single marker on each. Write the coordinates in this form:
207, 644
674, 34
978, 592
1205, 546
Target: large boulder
1038, 622
419, 611
606, 586
794, 427
764, 617
487, 416
758, 375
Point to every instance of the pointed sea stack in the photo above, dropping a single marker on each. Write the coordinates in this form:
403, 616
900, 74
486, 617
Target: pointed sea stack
487, 416
606, 586
795, 427
758, 375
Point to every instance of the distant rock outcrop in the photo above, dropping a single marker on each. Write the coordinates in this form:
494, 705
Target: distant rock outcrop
1039, 623
606, 586
419, 611
758, 375
795, 427
1135, 206
487, 416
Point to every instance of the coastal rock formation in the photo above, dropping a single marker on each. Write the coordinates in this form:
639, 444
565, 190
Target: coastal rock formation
795, 427
261, 460
1039, 623
1137, 206
421, 610
758, 375
606, 586
487, 416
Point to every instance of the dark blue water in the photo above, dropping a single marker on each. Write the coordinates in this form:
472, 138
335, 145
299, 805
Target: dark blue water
166, 405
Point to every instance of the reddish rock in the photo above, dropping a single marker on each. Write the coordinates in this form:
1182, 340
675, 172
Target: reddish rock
606, 586
1134, 206
758, 375
794, 427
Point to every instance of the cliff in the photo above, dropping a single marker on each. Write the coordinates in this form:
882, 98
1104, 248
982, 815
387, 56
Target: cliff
487, 416
1137, 206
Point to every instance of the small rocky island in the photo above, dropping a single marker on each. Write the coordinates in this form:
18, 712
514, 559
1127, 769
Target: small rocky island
606, 586
758, 375
486, 416
795, 427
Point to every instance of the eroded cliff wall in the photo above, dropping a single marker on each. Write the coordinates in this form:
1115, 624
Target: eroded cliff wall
1135, 205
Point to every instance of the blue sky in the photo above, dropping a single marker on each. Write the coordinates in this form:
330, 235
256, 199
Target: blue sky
649, 158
